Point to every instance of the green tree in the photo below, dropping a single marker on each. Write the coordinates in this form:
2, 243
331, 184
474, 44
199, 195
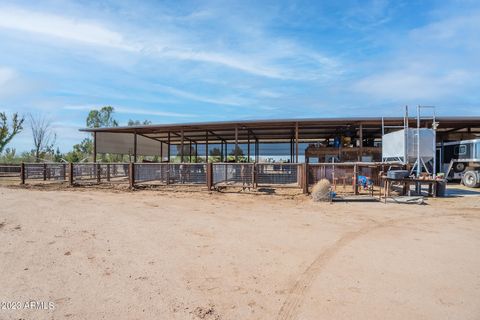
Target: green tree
101, 118
7, 134
237, 154
81, 151
215, 154
97, 119
43, 136
138, 123
10, 156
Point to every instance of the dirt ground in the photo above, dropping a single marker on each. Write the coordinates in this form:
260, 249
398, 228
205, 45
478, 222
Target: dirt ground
97, 254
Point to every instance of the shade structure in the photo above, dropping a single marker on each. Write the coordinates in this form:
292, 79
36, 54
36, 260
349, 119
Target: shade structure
124, 143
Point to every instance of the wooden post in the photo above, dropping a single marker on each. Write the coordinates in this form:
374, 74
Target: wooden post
64, 174
70, 174
44, 172
131, 175
296, 142
108, 172
209, 176
22, 173
305, 178
99, 172
355, 179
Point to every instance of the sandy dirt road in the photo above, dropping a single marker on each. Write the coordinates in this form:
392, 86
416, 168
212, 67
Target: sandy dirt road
152, 255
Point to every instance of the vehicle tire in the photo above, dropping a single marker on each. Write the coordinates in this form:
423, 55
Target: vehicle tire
471, 179
459, 167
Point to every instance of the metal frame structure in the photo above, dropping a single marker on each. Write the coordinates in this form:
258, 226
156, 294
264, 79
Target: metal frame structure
289, 131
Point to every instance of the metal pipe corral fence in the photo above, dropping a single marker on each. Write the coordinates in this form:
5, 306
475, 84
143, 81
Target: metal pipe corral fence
213, 175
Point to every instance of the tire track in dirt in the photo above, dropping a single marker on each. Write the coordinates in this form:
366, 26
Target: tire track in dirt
296, 294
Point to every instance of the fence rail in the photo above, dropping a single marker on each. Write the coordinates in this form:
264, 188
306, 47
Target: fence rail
211, 174
10, 170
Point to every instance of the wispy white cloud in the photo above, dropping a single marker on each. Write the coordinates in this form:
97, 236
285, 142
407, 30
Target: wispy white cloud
258, 60
410, 85
230, 101
6, 75
436, 61
132, 111
81, 31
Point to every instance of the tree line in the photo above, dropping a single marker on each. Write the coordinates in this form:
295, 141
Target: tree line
45, 149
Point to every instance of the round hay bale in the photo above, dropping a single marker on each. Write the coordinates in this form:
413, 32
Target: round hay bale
321, 191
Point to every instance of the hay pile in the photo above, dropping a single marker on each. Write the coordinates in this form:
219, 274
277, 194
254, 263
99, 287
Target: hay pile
321, 191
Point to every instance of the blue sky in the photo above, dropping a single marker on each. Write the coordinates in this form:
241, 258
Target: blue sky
188, 61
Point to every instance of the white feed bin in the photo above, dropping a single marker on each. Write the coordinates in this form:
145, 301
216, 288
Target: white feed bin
401, 145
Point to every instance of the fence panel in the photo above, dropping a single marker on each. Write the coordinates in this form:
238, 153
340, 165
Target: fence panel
188, 173
9, 170
283, 174
106, 172
149, 172
114, 172
47, 171
343, 174
84, 171
171, 173
233, 174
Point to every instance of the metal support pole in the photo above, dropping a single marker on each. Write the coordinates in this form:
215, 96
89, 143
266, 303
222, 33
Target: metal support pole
236, 144
225, 154
221, 151
44, 172
190, 152
419, 168
206, 146
161, 151
296, 142
196, 152
135, 147
248, 147
168, 150
108, 172
181, 148
361, 143
94, 146
291, 150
